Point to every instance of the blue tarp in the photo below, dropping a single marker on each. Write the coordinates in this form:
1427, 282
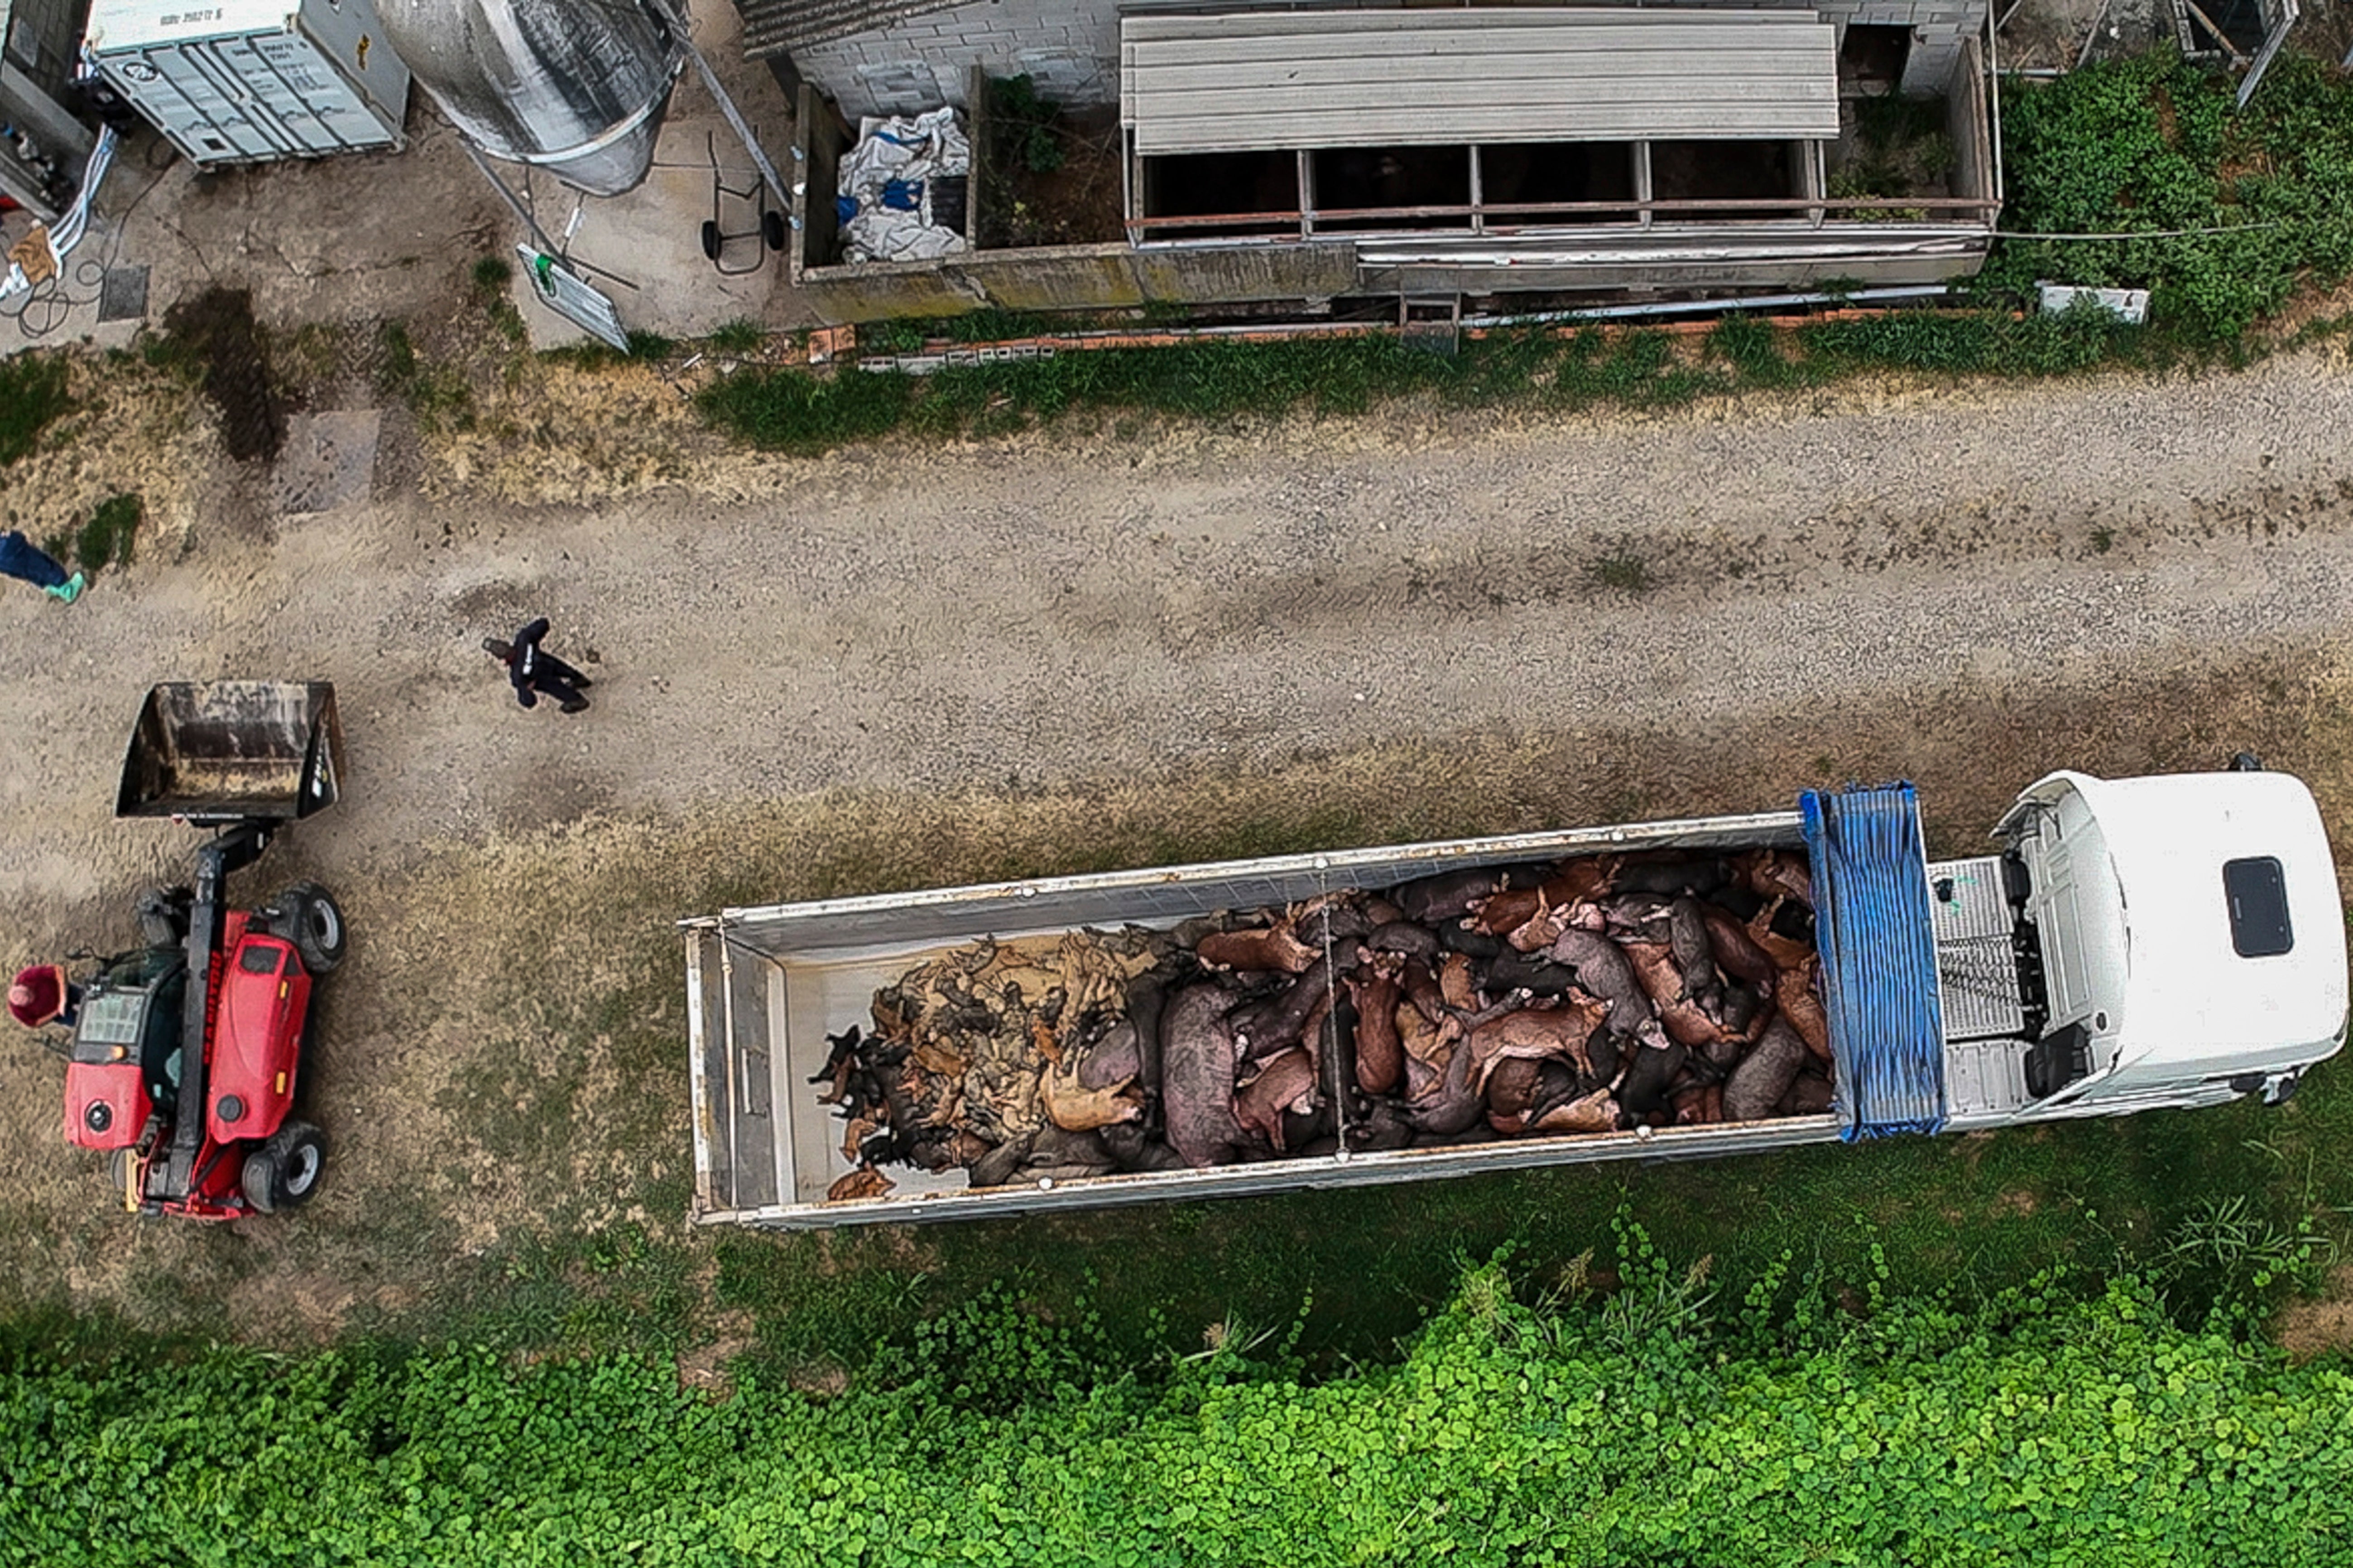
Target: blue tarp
1871, 922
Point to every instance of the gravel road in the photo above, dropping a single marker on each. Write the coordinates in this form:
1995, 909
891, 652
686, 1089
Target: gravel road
1045, 611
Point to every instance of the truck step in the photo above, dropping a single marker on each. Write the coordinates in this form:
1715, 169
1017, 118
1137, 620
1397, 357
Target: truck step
1876, 933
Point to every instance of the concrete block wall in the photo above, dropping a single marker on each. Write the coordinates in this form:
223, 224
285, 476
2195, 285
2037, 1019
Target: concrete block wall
1071, 48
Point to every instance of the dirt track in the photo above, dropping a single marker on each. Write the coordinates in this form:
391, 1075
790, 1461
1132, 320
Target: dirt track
1094, 612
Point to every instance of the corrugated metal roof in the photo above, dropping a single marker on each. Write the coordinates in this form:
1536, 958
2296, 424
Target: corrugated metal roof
1267, 81
780, 26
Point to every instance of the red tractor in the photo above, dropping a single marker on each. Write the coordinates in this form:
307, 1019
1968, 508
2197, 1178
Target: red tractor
187, 1051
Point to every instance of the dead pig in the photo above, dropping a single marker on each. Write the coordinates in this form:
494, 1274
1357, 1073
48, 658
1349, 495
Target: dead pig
1197, 1058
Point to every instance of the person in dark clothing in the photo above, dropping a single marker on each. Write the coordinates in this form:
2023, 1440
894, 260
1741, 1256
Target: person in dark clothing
537, 673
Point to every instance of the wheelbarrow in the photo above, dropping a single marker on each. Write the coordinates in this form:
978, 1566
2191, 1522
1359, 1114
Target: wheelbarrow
767, 223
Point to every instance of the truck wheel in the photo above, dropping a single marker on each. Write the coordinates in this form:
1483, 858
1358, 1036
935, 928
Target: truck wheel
283, 1173
312, 922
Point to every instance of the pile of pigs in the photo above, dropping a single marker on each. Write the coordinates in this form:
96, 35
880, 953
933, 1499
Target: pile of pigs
1594, 995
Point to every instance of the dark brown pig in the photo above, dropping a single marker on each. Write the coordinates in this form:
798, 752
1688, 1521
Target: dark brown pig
1280, 1086
1765, 1075
1643, 1090
1777, 873
1603, 969
1687, 938
1380, 1052
1511, 1088
1736, 952
1447, 897
1450, 1105
1262, 948
1405, 937
1500, 914
1794, 992
1274, 1023
1580, 880
1786, 952
1196, 1064
1811, 1095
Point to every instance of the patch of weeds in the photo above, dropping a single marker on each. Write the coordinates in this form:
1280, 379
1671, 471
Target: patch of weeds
109, 536
1752, 349
492, 275
490, 278
1623, 571
592, 355
32, 394
437, 394
2103, 541
741, 336
793, 410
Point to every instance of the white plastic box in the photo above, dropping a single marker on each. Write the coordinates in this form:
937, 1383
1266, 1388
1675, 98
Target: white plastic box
251, 81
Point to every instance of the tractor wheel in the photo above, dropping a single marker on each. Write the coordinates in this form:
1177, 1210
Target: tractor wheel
314, 922
283, 1173
164, 915
122, 1165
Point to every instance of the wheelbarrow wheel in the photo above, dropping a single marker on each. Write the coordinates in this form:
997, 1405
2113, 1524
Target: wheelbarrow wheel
772, 229
712, 239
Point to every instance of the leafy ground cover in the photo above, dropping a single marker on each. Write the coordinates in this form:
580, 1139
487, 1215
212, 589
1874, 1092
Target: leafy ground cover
1635, 1421
2154, 144
793, 410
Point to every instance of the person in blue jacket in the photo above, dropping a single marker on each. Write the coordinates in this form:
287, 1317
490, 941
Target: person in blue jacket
21, 559
536, 673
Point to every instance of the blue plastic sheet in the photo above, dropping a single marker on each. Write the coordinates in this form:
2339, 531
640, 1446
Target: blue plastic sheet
1872, 923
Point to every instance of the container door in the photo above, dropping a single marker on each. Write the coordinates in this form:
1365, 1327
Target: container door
302, 88
193, 101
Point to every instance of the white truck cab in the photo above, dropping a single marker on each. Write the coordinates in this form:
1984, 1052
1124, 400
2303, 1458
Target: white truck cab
2190, 934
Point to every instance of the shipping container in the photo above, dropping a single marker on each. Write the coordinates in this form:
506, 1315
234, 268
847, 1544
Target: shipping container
251, 82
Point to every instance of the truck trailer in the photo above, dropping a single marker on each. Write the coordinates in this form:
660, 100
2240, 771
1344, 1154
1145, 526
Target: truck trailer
2175, 940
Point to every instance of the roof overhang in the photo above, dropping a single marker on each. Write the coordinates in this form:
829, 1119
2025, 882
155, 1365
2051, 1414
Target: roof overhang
1266, 81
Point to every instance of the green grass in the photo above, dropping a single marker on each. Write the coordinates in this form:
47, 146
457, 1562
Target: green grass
32, 396
741, 336
2154, 144
795, 411
437, 394
1640, 1412
111, 534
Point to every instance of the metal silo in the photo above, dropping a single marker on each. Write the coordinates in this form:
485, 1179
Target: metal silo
574, 86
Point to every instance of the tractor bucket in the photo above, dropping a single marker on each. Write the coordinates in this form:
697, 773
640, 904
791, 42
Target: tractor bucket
233, 751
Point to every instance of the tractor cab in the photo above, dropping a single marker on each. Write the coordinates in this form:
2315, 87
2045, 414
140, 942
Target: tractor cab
126, 1053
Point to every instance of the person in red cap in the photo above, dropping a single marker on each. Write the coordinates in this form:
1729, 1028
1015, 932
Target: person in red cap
42, 994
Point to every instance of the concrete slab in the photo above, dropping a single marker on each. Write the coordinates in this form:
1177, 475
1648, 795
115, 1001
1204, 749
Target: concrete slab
122, 294
328, 461
386, 235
